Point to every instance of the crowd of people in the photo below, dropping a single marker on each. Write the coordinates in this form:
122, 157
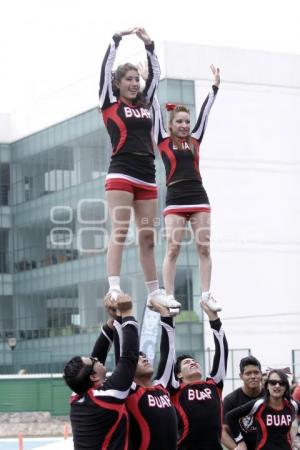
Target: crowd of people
179, 408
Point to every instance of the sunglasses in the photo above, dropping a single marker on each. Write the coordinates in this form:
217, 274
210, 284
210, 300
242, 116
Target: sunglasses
274, 382
94, 361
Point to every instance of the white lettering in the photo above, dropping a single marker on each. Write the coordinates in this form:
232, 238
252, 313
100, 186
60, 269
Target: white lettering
269, 420
191, 395
158, 402
162, 401
166, 401
278, 420
199, 395
284, 420
136, 113
128, 111
151, 400
145, 113
208, 392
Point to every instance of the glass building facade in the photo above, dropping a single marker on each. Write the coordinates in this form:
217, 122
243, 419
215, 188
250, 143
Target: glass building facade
54, 229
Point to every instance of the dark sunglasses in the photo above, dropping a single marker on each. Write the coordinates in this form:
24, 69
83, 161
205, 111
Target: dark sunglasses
94, 361
274, 382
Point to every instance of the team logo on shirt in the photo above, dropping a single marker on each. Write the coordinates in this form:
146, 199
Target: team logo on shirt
139, 113
184, 146
247, 424
163, 401
278, 420
199, 395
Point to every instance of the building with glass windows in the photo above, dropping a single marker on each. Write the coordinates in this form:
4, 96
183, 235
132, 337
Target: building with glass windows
54, 233
54, 224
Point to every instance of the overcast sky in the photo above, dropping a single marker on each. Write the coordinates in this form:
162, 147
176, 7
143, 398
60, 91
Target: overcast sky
48, 44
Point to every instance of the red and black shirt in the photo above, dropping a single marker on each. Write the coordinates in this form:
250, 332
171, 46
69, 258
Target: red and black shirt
129, 126
182, 163
199, 404
99, 418
273, 426
152, 417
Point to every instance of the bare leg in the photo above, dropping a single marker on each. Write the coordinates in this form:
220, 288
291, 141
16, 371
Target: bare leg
119, 206
200, 223
175, 228
145, 214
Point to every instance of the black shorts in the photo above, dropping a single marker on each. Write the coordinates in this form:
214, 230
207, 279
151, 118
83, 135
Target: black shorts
186, 197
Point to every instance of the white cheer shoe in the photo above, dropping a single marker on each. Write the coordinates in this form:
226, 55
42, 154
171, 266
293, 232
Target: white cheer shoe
211, 302
159, 296
114, 292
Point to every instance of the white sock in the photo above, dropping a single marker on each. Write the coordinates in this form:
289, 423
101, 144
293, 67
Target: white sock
152, 286
205, 295
114, 281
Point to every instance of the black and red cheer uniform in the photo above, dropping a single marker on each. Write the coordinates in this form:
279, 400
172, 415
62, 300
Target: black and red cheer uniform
129, 126
199, 403
152, 417
99, 418
185, 191
273, 426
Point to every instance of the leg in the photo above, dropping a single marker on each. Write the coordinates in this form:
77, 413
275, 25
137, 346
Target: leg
200, 223
119, 207
145, 214
175, 228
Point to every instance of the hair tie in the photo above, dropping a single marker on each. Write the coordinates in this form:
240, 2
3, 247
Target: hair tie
170, 106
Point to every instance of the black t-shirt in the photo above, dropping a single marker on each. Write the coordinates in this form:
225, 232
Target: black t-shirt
247, 424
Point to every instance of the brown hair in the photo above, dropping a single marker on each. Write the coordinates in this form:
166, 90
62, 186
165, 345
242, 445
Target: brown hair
175, 139
284, 378
120, 73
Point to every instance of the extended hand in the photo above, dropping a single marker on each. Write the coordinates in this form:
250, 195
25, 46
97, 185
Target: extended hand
142, 34
216, 74
126, 32
241, 446
211, 314
143, 70
162, 310
124, 305
110, 306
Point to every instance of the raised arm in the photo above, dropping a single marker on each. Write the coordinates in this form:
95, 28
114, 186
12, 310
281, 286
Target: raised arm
106, 95
200, 127
122, 376
219, 367
104, 341
167, 346
118, 338
153, 65
159, 131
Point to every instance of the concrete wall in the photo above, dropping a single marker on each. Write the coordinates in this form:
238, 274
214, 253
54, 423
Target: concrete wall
250, 165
